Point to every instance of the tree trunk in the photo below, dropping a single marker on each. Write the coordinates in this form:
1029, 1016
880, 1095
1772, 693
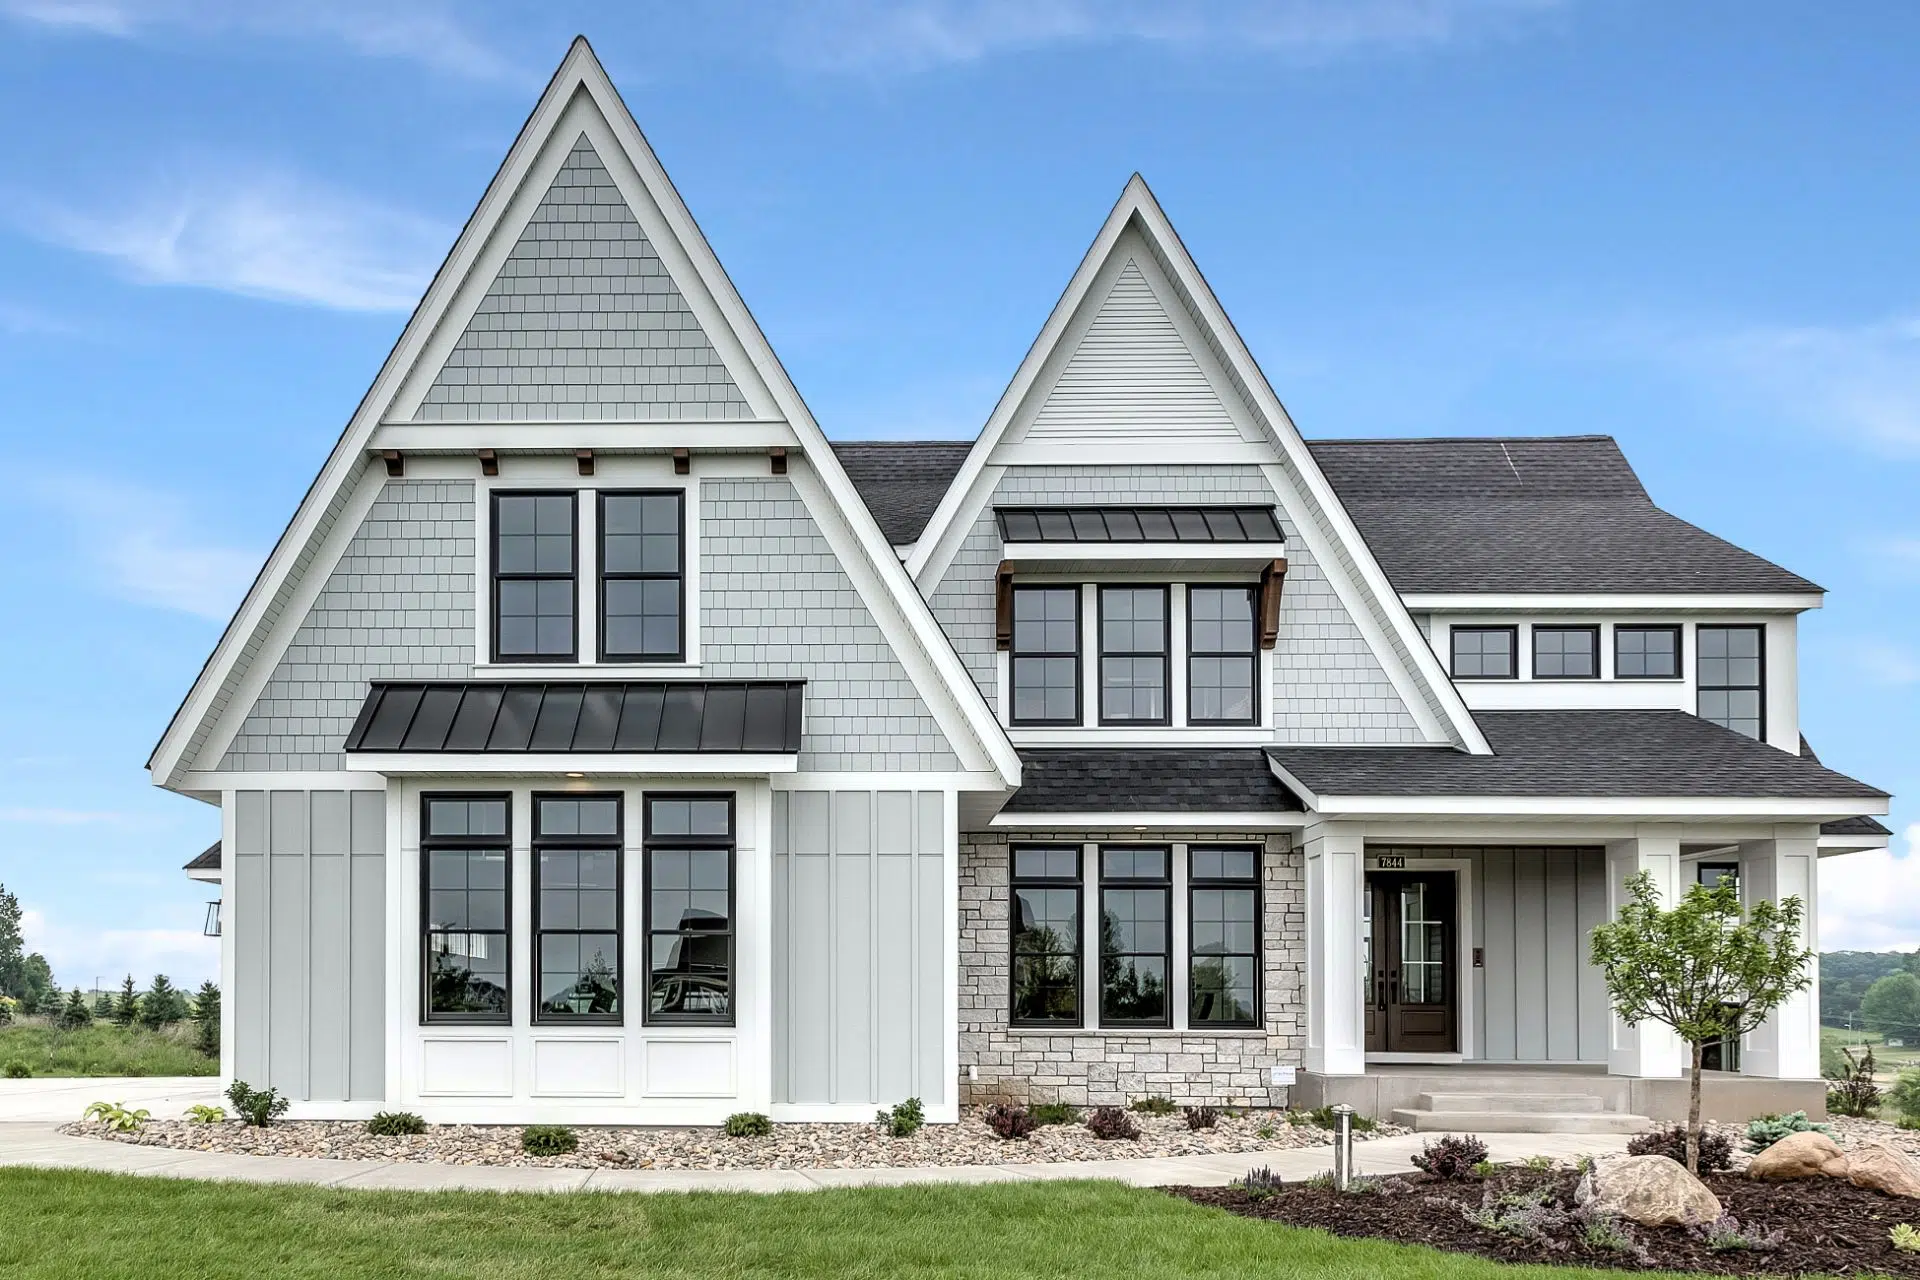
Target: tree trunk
1693, 1116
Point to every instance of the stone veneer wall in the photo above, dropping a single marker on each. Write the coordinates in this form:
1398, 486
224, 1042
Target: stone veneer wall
1102, 1068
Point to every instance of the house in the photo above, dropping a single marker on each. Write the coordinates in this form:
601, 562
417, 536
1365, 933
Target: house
602, 744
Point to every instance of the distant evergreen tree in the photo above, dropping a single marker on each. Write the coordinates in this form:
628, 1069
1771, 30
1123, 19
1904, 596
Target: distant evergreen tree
127, 1007
74, 1014
163, 1005
206, 1019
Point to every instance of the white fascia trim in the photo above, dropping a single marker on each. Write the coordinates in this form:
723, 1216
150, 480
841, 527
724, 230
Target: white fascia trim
205, 877
1335, 806
1599, 602
1834, 846
1136, 453
1168, 737
600, 435
828, 780
1196, 821
594, 765
290, 781
1118, 555
1293, 784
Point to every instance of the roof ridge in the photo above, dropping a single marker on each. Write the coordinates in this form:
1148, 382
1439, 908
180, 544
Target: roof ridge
1586, 438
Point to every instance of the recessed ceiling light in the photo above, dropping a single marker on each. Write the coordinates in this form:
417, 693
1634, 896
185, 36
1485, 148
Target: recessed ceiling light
576, 775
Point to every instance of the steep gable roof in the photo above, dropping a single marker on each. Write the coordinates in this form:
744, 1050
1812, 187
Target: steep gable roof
902, 482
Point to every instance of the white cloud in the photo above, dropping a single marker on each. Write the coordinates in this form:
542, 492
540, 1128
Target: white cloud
141, 547
423, 31
1871, 901
262, 235
1861, 381
79, 954
878, 35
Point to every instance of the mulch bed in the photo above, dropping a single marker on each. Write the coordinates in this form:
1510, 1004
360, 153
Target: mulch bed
1831, 1226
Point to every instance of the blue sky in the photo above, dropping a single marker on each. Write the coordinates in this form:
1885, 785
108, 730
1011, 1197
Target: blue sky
1686, 226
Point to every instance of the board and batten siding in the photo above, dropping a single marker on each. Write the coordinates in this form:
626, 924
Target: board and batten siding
859, 945
309, 917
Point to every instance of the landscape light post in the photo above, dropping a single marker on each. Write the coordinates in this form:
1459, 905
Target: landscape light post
1342, 1146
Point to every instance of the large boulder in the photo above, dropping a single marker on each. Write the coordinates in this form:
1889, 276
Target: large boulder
1650, 1190
1799, 1155
1880, 1168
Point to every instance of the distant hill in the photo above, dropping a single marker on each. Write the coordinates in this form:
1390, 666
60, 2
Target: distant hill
1846, 975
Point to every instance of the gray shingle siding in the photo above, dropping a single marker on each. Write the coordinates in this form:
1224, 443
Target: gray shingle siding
1328, 685
776, 603
399, 605
583, 321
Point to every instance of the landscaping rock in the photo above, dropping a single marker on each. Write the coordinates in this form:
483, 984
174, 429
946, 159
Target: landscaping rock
1799, 1155
1879, 1167
1650, 1190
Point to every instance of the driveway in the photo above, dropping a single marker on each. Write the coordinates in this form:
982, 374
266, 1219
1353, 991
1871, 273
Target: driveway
61, 1100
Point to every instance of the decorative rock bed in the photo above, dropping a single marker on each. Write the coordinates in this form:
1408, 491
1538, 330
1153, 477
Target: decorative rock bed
791, 1146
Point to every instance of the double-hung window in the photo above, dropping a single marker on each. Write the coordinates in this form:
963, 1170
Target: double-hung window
1566, 653
1136, 936
1223, 974
1133, 655
1045, 935
1485, 653
1221, 654
465, 909
690, 902
535, 574
1046, 655
576, 903
1646, 653
1732, 678
642, 576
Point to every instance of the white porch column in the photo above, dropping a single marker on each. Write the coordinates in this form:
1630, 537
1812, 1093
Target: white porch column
1336, 1015
1648, 1049
1787, 1044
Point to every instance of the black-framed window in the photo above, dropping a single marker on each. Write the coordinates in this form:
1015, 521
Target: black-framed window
1223, 928
1646, 653
1136, 936
535, 571
1044, 936
577, 923
689, 887
1046, 655
1134, 648
1732, 668
1222, 655
466, 908
1715, 874
1566, 653
643, 576
1485, 653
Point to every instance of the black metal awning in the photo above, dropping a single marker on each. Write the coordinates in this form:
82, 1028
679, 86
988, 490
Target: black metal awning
579, 716
1139, 524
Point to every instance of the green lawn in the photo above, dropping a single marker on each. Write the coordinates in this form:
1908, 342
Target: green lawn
104, 1050
60, 1224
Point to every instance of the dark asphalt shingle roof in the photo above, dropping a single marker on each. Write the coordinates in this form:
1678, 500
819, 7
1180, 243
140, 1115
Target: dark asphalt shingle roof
1578, 753
208, 860
1148, 780
1860, 826
902, 481
1543, 514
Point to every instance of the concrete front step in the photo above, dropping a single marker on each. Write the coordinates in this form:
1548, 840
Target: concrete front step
1552, 1102
1422, 1121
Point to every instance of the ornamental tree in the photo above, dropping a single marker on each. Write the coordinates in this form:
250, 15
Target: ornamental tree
1705, 967
1892, 1006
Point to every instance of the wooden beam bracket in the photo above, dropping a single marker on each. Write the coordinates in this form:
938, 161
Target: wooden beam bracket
777, 460
1003, 606
489, 463
1272, 579
682, 462
584, 459
396, 462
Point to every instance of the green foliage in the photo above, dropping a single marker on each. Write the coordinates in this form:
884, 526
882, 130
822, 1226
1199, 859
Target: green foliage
8, 1006
1904, 1096
1716, 1148
1856, 1094
103, 1049
1453, 1158
163, 1005
549, 1140
1764, 1131
1891, 1006
1054, 1113
1845, 977
1609, 1234
1266, 1132
1903, 1237
395, 1124
748, 1124
1153, 1105
126, 1009
1486, 1169
201, 1113
258, 1107
74, 1014
1726, 1235
1322, 1181
1261, 1183
115, 1116
24, 979
206, 1019
1111, 1124
904, 1120
1322, 1118
17, 1070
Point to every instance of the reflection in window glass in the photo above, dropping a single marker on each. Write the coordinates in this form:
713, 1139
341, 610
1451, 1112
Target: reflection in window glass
1221, 654
1135, 936
1046, 655
641, 566
1224, 963
1133, 655
1045, 935
689, 893
576, 871
465, 910
533, 576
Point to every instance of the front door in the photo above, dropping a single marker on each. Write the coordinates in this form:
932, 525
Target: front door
1410, 976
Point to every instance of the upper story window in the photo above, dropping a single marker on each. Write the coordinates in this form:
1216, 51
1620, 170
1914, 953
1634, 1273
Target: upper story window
535, 567
576, 908
1046, 655
1044, 936
465, 904
1134, 644
1566, 653
1485, 653
689, 894
1732, 678
1646, 653
642, 576
1222, 654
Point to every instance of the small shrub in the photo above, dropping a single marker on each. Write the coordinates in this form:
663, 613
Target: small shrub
1764, 1131
1011, 1123
1726, 1235
395, 1124
1855, 1093
1905, 1097
1486, 1169
1525, 1215
1111, 1123
1054, 1113
1452, 1158
1716, 1147
1583, 1166
549, 1140
8, 1005
1153, 1105
1322, 1181
1908, 1122
258, 1107
748, 1124
201, 1113
1259, 1184
1202, 1117
1904, 1238
1607, 1234
1322, 1118
904, 1120
116, 1117
1266, 1133
18, 1070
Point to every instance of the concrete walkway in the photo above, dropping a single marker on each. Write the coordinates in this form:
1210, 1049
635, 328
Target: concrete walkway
61, 1100
43, 1145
